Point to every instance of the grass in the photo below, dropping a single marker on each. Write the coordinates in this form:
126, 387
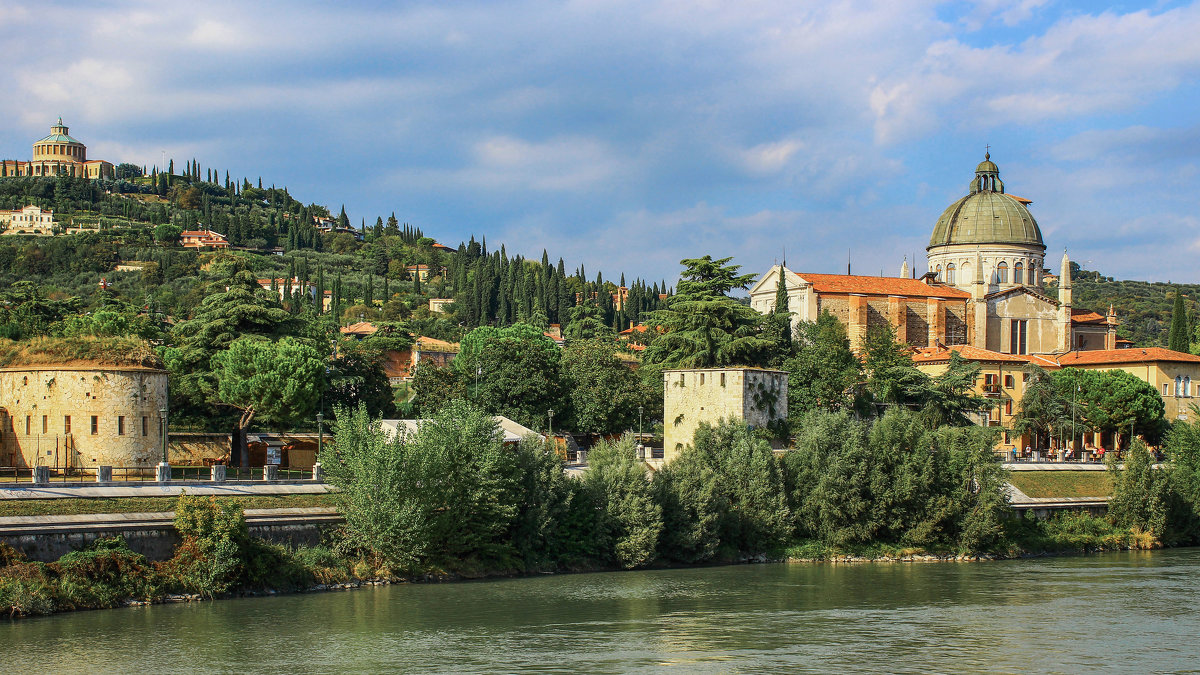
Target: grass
1038, 484
70, 507
121, 351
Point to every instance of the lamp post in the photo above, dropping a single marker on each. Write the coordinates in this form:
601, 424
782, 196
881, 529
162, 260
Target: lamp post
550, 423
1074, 398
320, 434
640, 408
162, 416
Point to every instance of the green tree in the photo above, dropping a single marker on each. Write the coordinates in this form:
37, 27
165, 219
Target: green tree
1179, 336
518, 370
1141, 497
279, 382
823, 373
1042, 410
724, 491
630, 518
444, 498
604, 392
703, 326
434, 386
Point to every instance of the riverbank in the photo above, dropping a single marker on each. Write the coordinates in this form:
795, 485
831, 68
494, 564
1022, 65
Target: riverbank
218, 560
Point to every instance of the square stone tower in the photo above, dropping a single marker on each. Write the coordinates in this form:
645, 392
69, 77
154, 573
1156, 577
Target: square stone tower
695, 395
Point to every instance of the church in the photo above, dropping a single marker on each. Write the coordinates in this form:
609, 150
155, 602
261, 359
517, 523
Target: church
984, 288
58, 154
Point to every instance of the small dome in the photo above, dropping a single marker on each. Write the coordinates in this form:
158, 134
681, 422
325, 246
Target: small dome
987, 215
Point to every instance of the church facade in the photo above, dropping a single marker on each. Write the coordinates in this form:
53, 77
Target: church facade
984, 288
58, 154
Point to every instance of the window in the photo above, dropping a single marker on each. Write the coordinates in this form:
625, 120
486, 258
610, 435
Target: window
1008, 408
937, 274
1024, 377
120, 425
1019, 273
1008, 381
682, 381
27, 418
1018, 337
144, 428
45, 424
95, 425
66, 424
1178, 384
950, 273
1164, 388
1002, 272
722, 379
1187, 386
701, 379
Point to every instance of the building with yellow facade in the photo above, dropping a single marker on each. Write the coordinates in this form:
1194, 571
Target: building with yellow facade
56, 155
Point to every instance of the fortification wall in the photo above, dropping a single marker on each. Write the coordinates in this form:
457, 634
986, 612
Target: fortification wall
81, 416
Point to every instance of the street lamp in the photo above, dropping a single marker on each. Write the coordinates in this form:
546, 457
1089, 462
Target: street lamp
162, 417
640, 408
550, 423
320, 434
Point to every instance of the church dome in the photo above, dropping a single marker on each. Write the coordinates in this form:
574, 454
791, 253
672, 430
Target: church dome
987, 215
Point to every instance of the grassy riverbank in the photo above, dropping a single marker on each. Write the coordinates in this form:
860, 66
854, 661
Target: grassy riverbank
1069, 484
74, 507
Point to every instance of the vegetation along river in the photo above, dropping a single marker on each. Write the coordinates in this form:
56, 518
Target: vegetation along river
1119, 612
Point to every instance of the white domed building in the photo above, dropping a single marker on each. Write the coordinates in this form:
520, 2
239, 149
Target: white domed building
58, 154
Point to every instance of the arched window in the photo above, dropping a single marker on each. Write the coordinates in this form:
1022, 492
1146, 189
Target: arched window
938, 272
950, 273
1178, 385
1019, 273
1187, 385
1002, 272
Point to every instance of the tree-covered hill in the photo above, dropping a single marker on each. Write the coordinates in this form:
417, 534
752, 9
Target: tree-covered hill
1143, 307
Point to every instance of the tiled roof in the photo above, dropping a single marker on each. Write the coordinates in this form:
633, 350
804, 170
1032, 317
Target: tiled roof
1086, 316
359, 328
942, 353
1133, 355
436, 345
848, 283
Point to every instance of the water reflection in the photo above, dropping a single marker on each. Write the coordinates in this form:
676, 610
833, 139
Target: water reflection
1114, 613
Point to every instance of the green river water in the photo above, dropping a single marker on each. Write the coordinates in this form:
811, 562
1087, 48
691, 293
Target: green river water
1120, 613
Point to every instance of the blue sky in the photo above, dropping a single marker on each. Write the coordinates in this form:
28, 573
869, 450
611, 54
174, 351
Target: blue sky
628, 135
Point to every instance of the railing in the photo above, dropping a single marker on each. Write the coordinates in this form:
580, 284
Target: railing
57, 476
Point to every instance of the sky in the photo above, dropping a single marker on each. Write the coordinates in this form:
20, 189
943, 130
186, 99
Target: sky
627, 135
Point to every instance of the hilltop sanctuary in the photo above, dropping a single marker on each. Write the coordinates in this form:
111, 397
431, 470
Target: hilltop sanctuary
984, 287
58, 154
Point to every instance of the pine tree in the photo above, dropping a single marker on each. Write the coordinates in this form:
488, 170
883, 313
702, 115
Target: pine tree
1179, 339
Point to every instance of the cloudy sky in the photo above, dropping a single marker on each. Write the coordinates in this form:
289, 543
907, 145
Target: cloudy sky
626, 135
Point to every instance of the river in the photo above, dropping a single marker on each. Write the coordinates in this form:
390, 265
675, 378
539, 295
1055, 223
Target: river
1119, 612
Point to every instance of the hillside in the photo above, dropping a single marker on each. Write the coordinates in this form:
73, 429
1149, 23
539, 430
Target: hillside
1143, 307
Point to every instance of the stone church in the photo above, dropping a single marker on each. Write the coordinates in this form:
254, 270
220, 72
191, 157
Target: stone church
985, 285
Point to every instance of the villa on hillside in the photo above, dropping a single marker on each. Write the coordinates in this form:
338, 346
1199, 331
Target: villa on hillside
202, 239
29, 220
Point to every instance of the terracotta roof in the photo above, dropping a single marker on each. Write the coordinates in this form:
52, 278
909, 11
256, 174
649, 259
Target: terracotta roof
359, 328
1024, 201
1131, 355
942, 353
1044, 361
640, 328
847, 283
1086, 316
436, 345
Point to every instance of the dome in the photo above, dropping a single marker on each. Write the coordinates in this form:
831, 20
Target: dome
987, 215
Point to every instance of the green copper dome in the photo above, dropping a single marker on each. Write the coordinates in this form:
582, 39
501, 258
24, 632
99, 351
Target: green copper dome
987, 215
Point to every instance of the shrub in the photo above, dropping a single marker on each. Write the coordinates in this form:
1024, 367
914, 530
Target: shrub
630, 520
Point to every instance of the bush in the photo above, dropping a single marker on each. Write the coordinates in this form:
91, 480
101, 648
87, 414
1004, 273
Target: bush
105, 574
216, 543
723, 492
630, 520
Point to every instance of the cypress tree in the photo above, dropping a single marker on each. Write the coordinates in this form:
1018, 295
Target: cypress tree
1179, 339
782, 310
